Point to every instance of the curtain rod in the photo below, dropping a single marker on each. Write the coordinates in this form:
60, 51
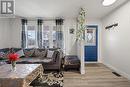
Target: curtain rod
37, 19
44, 19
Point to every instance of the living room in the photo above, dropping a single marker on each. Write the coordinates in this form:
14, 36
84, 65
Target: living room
63, 42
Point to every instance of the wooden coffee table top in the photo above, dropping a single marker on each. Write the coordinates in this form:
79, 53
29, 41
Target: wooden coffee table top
22, 70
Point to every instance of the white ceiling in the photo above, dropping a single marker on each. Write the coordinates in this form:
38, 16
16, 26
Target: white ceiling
63, 8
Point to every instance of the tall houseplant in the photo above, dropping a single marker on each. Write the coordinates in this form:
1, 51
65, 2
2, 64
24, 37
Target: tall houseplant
81, 20
80, 38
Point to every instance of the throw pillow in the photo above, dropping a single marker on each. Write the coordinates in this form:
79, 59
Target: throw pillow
50, 53
20, 53
40, 53
4, 55
29, 53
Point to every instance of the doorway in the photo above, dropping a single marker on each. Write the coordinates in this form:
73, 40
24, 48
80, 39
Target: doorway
91, 43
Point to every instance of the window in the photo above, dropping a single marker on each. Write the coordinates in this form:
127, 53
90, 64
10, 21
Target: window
31, 37
42, 36
90, 37
52, 37
46, 37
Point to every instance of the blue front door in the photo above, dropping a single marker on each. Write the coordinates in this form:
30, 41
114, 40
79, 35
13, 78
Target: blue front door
91, 44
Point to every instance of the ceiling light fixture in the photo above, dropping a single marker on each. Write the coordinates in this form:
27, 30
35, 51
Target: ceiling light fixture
108, 2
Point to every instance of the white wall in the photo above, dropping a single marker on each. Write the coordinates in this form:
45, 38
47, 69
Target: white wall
70, 39
116, 42
5, 33
16, 32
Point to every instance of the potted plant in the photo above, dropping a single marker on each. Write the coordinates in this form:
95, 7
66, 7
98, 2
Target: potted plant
13, 57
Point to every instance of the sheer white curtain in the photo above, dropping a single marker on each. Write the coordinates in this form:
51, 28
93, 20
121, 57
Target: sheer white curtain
53, 34
48, 34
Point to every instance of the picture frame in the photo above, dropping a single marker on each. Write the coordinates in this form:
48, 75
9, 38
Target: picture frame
71, 31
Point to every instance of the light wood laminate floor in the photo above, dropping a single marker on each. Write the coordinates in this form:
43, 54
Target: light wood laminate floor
97, 75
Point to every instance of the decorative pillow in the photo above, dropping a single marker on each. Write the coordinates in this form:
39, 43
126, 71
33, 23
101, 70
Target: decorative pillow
29, 53
50, 53
20, 53
4, 55
14, 50
40, 53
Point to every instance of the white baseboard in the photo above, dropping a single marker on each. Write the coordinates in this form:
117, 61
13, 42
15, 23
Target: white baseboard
118, 71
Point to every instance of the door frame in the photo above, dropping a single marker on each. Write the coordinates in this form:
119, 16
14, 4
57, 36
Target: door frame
97, 36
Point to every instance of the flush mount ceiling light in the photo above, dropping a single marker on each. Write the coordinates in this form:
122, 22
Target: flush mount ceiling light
108, 2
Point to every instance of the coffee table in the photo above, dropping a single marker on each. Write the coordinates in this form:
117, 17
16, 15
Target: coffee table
22, 77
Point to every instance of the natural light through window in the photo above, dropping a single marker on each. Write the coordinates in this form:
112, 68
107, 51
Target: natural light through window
31, 36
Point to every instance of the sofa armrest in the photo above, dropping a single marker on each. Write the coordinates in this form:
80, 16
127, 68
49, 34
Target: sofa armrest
59, 58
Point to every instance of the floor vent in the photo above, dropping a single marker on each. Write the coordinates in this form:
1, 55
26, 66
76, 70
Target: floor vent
118, 75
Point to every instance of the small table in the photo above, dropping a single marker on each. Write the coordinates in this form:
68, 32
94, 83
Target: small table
22, 77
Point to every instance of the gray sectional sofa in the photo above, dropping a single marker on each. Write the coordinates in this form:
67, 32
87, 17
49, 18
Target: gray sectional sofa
49, 58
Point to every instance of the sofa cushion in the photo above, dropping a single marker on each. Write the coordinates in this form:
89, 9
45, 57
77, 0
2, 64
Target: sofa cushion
71, 60
47, 60
35, 60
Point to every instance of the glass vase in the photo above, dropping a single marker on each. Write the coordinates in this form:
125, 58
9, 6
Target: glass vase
13, 65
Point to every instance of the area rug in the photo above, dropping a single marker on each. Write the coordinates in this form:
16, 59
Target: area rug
52, 79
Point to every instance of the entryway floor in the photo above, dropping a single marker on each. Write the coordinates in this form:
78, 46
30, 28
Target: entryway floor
97, 75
